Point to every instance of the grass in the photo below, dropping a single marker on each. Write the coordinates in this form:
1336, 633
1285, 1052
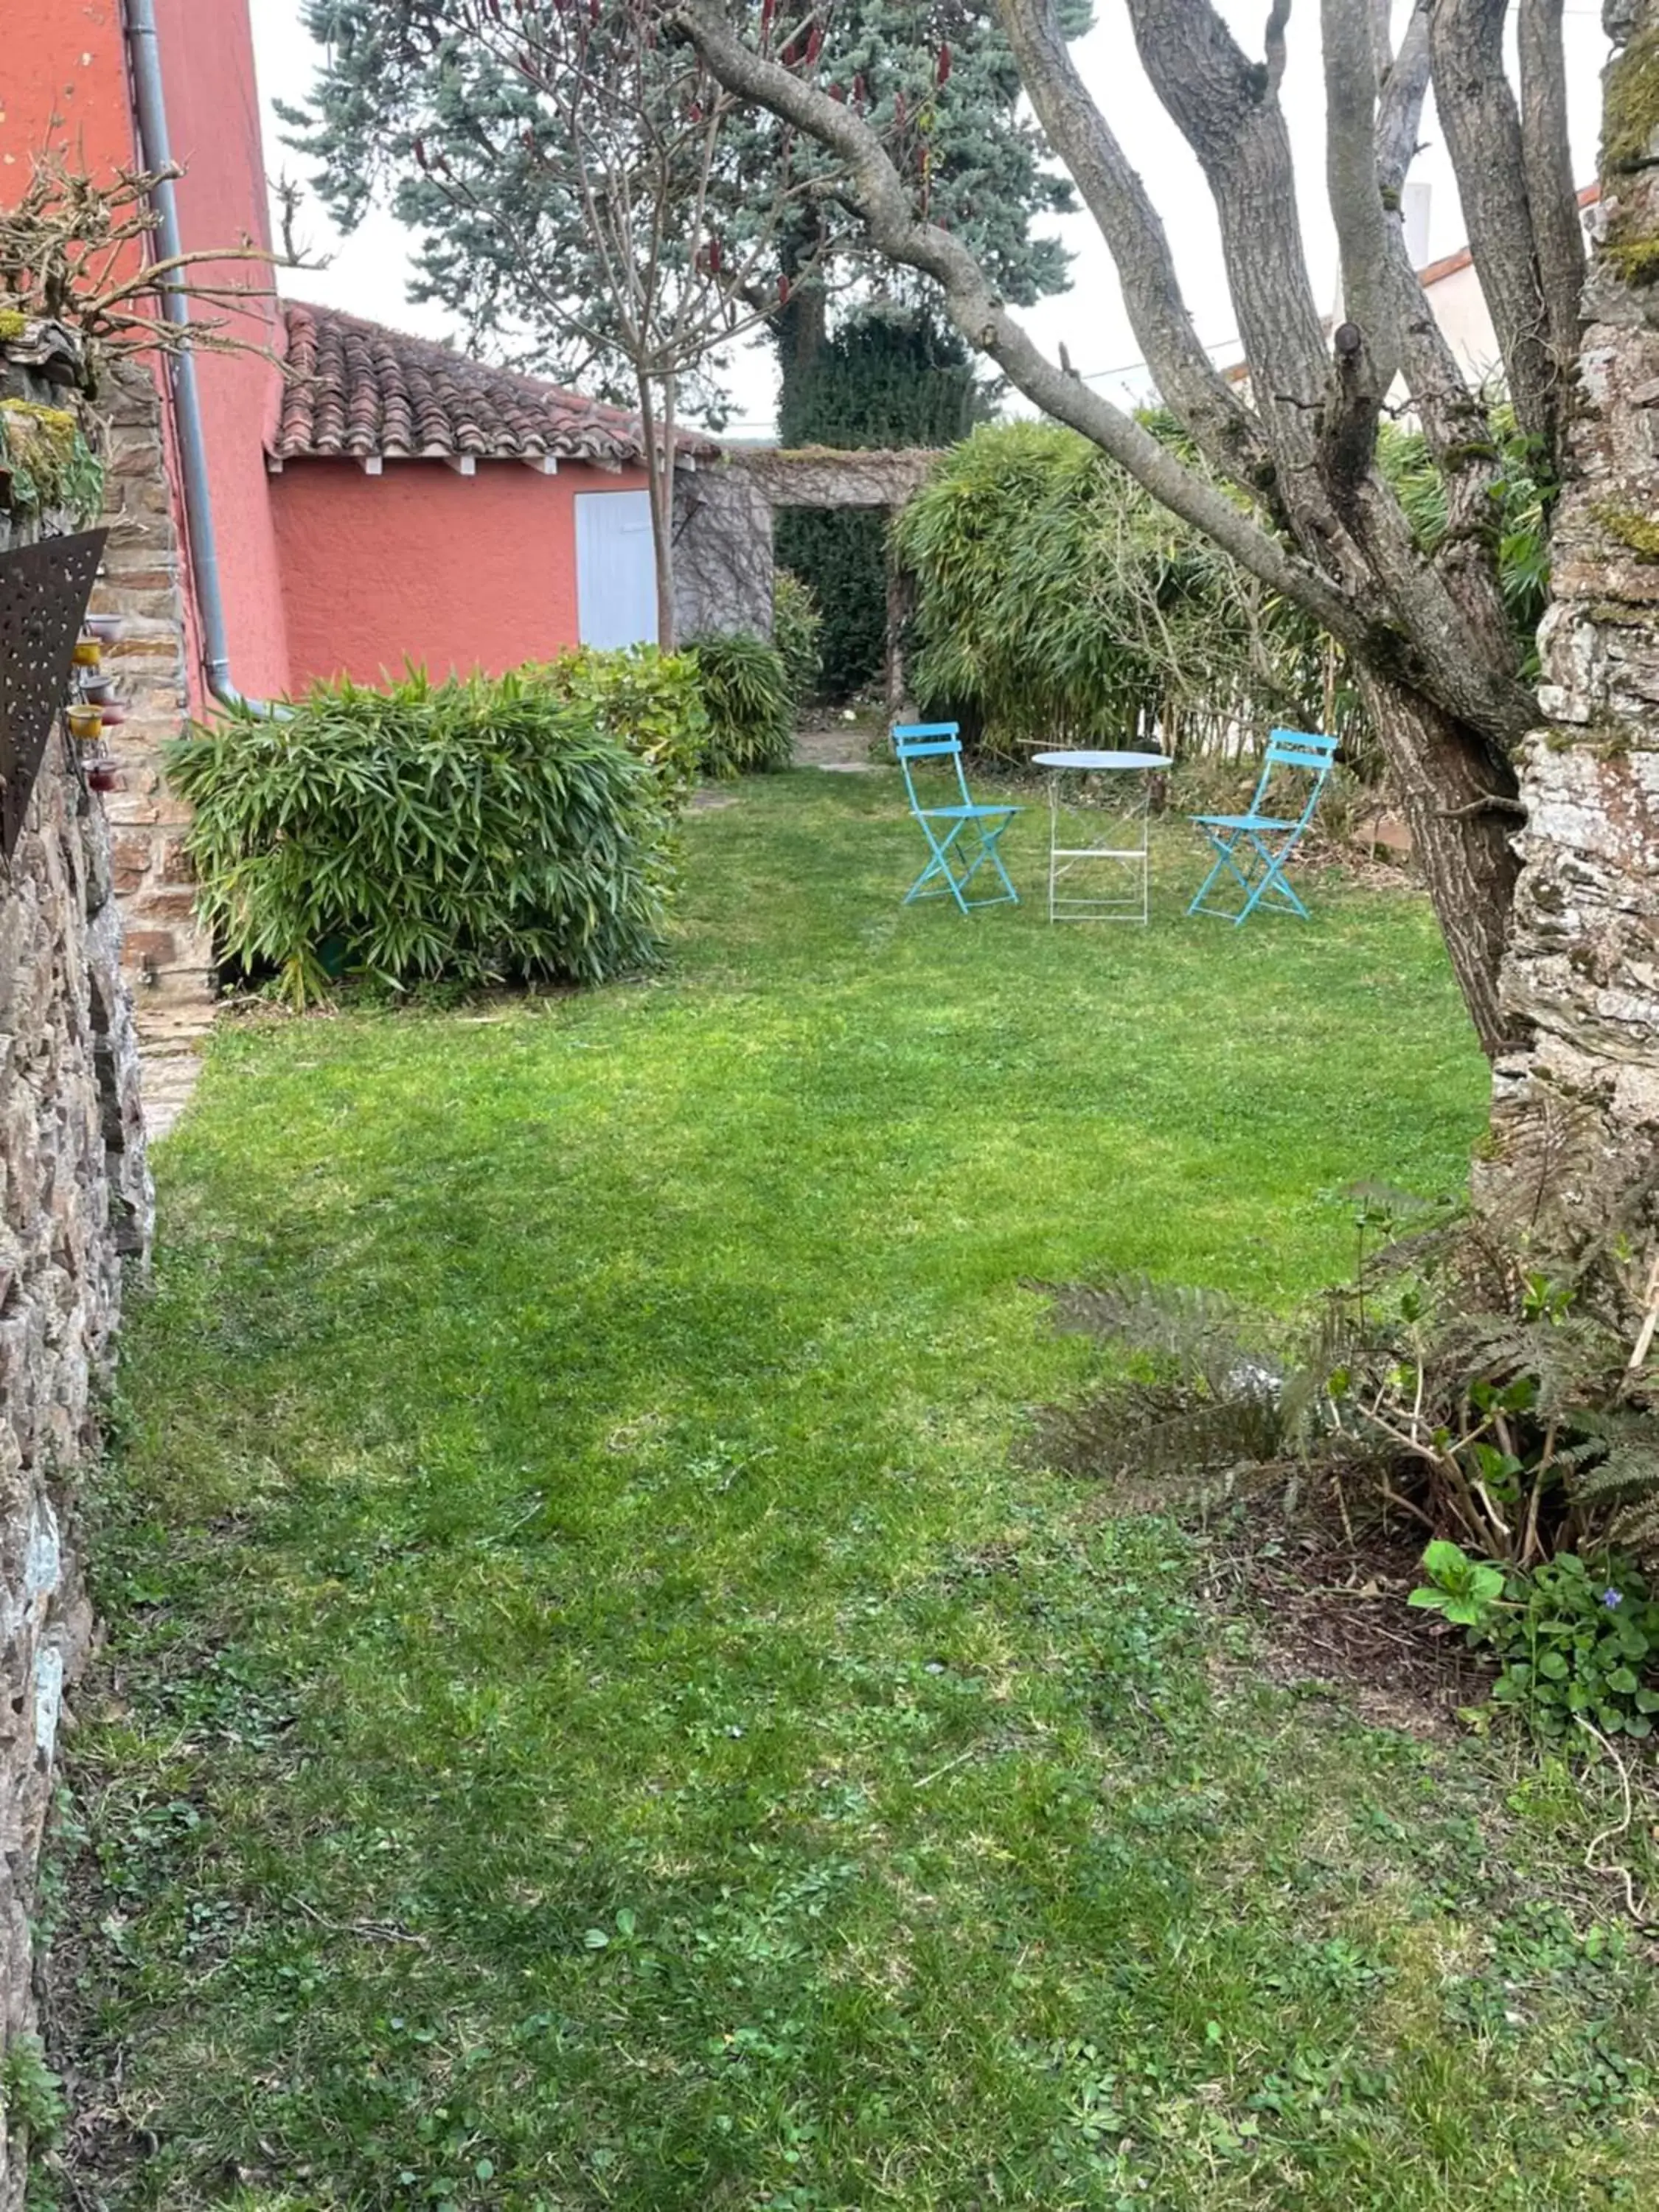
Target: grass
600, 1709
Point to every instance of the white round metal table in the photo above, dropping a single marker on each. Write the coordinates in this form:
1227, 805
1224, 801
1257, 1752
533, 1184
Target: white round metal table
1129, 858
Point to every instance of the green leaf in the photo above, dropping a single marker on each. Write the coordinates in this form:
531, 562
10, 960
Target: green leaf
1445, 1562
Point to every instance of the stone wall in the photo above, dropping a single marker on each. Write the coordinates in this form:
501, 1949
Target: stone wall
170, 956
723, 573
722, 552
75, 1206
1576, 1113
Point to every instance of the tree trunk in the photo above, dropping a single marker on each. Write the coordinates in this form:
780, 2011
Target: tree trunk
657, 435
1573, 1155
1457, 795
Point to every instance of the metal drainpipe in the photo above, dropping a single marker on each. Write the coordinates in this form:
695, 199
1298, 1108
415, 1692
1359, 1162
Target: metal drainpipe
157, 154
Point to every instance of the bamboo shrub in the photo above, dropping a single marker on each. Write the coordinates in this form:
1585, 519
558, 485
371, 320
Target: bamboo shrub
1058, 604
472, 831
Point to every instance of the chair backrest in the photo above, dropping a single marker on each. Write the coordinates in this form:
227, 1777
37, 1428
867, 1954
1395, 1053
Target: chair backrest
1305, 749
925, 741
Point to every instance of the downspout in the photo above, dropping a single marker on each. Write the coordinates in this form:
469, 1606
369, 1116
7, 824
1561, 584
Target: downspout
156, 154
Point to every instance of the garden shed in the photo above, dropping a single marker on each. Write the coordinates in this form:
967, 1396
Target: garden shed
435, 508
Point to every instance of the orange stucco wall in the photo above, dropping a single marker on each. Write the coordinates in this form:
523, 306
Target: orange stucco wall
64, 84
212, 117
421, 564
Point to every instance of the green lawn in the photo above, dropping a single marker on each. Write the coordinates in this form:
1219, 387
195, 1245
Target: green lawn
600, 1709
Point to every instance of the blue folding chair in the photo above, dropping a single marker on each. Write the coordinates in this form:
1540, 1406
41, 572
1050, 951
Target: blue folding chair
944, 827
1251, 849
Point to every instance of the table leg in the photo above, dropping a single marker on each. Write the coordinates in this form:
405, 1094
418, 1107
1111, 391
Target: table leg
1054, 834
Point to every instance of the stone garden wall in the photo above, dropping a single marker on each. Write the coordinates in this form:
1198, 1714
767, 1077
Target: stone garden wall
1576, 1108
168, 952
75, 1210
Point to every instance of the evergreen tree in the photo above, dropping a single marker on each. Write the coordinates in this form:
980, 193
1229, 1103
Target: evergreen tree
887, 378
408, 108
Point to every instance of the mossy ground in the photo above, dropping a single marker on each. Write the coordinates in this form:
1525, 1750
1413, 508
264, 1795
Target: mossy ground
600, 1708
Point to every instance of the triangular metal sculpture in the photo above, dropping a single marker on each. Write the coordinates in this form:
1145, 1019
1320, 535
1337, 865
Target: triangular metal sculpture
44, 590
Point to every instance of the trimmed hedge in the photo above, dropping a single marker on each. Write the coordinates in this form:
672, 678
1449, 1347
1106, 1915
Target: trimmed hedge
476, 832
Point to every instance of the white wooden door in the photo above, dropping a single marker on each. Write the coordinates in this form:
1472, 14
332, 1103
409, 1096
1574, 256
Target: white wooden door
616, 578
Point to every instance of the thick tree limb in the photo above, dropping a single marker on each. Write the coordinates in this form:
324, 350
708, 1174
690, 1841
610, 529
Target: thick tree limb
1319, 423
1221, 102
1402, 85
876, 189
1272, 43
1356, 195
1453, 418
1552, 194
1457, 801
1482, 124
1224, 428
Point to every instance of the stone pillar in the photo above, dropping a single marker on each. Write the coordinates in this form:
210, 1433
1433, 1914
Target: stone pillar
169, 956
75, 1203
722, 553
1574, 1150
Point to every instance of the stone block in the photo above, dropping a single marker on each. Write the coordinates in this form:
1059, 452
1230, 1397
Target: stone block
152, 905
158, 945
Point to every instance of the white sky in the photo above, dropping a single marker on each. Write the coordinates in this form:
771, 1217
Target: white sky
370, 272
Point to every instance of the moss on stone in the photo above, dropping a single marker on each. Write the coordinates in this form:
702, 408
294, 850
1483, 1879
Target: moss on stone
13, 324
1635, 259
1639, 532
1620, 614
1630, 108
47, 461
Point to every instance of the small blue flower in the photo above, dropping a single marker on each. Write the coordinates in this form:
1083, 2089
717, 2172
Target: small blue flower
1612, 1599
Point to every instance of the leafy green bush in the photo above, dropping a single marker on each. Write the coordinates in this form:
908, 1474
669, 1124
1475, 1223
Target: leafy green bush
649, 700
473, 830
796, 626
1057, 602
1453, 1378
1574, 1638
747, 697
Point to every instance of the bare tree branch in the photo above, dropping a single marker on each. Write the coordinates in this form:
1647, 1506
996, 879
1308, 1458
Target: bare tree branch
1272, 43
1356, 196
1221, 103
1479, 115
1401, 90
1118, 200
1547, 155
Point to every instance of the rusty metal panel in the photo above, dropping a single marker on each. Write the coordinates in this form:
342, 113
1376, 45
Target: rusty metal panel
44, 590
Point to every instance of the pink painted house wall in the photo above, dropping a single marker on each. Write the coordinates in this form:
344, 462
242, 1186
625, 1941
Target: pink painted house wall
64, 85
212, 117
421, 563
324, 569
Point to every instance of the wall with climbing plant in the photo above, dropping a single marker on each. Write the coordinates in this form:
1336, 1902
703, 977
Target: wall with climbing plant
76, 1214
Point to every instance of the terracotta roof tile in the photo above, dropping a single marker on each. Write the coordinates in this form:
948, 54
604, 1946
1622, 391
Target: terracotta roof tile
361, 392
